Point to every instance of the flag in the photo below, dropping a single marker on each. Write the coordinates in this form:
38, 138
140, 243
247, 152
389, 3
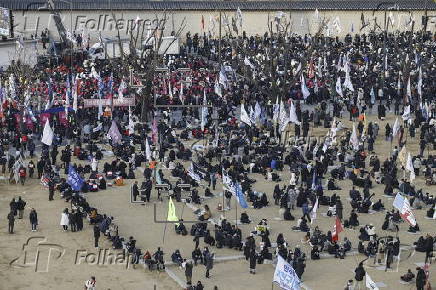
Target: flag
223, 78
74, 93
369, 283
192, 172
314, 179
283, 117
409, 90
114, 133
228, 182
372, 94
170, 91
395, 128
121, 89
154, 132
244, 116
339, 87
409, 167
420, 82
406, 113
276, 111
248, 62
337, 229
217, 88
304, 89
257, 111
293, 115
172, 217
239, 17
202, 22
74, 179
182, 99
47, 134
240, 196
402, 204
399, 83
131, 125
402, 156
314, 210
347, 82
204, 111
354, 140
285, 276
147, 149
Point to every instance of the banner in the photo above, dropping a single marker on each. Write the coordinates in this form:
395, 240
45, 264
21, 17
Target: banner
74, 179
285, 275
124, 102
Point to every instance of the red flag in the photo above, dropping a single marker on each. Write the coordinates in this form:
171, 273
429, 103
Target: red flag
202, 22
337, 229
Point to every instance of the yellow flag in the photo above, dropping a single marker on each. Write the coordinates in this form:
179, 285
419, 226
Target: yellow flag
172, 212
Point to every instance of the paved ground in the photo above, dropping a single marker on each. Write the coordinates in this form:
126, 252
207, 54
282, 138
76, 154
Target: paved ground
137, 220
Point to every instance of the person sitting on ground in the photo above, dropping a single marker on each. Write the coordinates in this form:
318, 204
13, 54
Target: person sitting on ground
287, 216
301, 225
413, 229
409, 276
176, 258
244, 218
378, 206
331, 185
206, 214
314, 254
181, 228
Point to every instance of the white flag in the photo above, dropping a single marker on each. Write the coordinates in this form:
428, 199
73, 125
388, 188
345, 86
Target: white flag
204, 112
239, 17
406, 113
47, 134
420, 82
244, 116
372, 93
354, 140
370, 284
257, 111
248, 62
285, 276
409, 167
396, 128
304, 89
131, 124
276, 111
339, 87
293, 115
217, 88
147, 149
409, 90
283, 117
314, 210
347, 82
74, 92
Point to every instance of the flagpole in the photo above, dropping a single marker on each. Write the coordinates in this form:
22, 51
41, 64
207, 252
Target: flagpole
236, 210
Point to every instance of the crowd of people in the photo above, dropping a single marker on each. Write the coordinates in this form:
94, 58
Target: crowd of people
268, 75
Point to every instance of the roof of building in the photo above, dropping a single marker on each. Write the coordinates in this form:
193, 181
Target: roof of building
224, 5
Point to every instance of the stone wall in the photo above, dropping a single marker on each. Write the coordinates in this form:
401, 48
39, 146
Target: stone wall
302, 22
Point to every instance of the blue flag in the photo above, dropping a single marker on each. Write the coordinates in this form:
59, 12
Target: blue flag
240, 196
74, 179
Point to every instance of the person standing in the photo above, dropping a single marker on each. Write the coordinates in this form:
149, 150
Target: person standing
22, 174
188, 271
253, 261
96, 235
359, 275
428, 248
135, 190
20, 207
33, 217
420, 279
51, 189
65, 220
148, 186
11, 219
31, 167
209, 263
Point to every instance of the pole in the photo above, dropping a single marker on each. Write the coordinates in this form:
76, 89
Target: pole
236, 210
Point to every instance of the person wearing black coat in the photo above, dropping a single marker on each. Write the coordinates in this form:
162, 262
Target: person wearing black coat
96, 235
253, 261
428, 247
79, 220
359, 274
33, 217
11, 222
420, 279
